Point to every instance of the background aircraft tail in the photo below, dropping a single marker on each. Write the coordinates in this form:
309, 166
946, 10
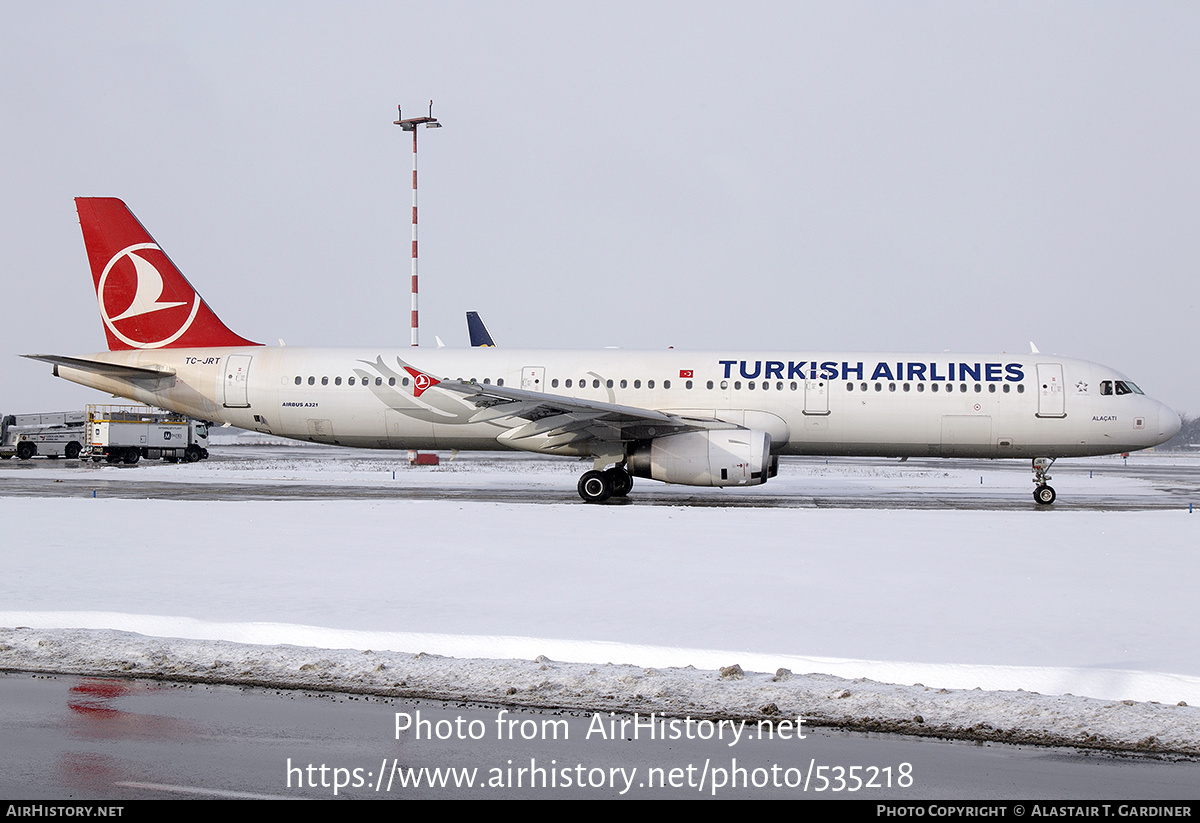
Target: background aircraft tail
478, 331
145, 301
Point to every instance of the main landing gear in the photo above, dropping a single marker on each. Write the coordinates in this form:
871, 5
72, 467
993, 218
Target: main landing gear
598, 486
1043, 494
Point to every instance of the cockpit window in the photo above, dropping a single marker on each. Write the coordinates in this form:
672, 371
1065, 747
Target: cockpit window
1105, 387
1126, 387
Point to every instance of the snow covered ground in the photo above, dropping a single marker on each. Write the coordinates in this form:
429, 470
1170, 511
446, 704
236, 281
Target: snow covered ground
1087, 608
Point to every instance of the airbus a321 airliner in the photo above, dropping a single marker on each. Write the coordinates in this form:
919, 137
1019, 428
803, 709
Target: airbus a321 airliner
700, 418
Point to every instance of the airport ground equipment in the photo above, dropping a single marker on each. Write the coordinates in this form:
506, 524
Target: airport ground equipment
125, 434
50, 434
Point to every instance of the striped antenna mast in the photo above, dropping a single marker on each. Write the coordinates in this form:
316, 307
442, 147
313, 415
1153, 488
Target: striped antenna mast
411, 125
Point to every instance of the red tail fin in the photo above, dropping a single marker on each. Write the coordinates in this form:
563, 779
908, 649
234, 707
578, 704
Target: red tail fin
145, 302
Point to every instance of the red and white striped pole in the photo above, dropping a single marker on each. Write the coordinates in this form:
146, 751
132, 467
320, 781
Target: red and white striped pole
415, 324
411, 125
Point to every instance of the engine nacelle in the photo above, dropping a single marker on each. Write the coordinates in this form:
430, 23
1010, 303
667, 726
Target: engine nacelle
724, 457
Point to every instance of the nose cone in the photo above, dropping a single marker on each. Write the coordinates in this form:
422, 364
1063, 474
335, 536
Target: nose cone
1169, 423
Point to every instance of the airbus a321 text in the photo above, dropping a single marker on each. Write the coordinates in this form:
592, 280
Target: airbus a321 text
690, 417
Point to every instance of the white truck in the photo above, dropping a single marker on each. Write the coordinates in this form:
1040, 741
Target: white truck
52, 434
125, 434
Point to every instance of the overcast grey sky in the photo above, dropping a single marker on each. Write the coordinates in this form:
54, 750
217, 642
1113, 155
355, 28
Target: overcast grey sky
791, 176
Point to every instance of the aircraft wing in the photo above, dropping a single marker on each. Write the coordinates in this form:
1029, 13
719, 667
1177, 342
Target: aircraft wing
557, 421
134, 373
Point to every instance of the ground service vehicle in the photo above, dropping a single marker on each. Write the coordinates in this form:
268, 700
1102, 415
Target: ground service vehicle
52, 434
125, 434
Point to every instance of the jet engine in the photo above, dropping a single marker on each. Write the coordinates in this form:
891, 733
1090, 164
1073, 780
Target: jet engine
724, 457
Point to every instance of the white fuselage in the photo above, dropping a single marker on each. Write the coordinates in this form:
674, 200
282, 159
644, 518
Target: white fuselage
882, 404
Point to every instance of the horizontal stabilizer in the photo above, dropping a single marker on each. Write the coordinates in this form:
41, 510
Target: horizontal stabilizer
135, 373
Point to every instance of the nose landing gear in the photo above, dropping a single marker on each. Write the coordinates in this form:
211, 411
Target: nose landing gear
1043, 493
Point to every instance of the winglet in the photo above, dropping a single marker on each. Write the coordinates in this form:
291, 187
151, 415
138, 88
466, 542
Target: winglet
145, 301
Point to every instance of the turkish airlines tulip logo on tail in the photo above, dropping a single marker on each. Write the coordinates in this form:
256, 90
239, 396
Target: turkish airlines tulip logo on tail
132, 303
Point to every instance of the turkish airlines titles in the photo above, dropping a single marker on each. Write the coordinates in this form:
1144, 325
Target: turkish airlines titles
881, 370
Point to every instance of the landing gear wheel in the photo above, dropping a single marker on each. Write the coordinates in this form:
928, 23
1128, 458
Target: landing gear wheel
1042, 492
26, 450
1044, 495
72, 450
620, 480
594, 487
